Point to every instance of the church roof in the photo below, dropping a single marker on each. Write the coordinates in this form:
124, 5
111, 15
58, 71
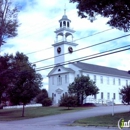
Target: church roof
64, 17
66, 69
101, 69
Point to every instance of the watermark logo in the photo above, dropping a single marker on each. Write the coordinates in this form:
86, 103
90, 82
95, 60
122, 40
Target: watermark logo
123, 124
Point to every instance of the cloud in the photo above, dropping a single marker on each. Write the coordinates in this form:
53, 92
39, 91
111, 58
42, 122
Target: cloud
39, 20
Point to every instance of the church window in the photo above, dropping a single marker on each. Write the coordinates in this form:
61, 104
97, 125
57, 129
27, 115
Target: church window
101, 95
114, 96
108, 96
107, 80
59, 70
113, 81
68, 24
53, 80
60, 24
95, 78
126, 82
64, 23
59, 80
95, 96
53, 96
78, 75
102, 79
65, 78
119, 80
120, 96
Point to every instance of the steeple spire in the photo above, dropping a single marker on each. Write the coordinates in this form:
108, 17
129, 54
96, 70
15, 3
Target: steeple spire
65, 10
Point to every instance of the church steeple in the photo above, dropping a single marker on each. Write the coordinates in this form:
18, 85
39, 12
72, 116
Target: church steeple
64, 41
64, 29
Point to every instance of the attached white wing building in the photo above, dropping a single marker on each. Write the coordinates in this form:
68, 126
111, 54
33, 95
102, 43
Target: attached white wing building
108, 80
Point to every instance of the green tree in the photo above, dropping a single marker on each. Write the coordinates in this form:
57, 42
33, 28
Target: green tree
5, 73
68, 101
47, 102
8, 20
118, 11
41, 96
125, 94
23, 83
82, 87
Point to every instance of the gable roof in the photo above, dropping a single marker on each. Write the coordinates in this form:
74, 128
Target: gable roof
101, 69
55, 68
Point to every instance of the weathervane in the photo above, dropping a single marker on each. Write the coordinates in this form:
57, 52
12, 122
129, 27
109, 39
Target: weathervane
65, 10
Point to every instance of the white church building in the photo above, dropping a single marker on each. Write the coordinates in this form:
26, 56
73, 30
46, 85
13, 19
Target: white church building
107, 79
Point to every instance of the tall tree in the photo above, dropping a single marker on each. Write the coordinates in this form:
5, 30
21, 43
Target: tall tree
82, 87
20, 79
28, 82
5, 73
125, 94
8, 20
118, 11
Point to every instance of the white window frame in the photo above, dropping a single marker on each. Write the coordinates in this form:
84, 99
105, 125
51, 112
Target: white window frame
101, 79
108, 96
95, 78
119, 81
52, 80
114, 81
59, 80
107, 80
66, 80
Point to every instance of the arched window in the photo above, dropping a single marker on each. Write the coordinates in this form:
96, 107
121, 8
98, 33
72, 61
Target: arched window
64, 23
59, 80
68, 25
60, 24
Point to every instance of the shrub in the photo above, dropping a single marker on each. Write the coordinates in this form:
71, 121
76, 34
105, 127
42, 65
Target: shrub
68, 101
41, 96
47, 102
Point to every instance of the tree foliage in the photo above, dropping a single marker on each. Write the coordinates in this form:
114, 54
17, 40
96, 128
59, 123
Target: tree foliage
18, 79
82, 87
68, 101
47, 102
8, 20
125, 94
118, 11
43, 98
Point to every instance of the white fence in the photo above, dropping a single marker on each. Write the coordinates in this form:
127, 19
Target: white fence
20, 106
99, 101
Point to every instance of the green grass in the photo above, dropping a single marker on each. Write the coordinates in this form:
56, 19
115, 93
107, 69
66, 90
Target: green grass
15, 114
106, 120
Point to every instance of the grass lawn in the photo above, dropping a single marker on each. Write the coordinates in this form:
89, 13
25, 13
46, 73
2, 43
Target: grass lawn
106, 120
15, 114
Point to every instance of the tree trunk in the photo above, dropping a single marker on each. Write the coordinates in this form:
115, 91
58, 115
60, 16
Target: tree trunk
78, 99
0, 98
23, 110
82, 98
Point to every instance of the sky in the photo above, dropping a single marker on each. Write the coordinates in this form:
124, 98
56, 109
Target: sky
40, 18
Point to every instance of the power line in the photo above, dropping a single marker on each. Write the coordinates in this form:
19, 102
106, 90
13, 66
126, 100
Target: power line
73, 40
89, 57
85, 47
86, 59
47, 23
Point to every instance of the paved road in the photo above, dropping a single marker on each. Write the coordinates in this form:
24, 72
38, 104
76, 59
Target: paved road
59, 122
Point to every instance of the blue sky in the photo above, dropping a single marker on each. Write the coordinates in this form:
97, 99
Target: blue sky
40, 18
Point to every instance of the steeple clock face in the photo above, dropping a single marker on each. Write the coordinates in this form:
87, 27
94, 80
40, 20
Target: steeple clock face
70, 49
59, 50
